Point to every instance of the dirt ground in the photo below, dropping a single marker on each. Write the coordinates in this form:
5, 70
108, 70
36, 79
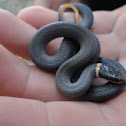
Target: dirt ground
15, 6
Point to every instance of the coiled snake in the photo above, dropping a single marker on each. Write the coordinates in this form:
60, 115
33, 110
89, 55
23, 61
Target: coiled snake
86, 59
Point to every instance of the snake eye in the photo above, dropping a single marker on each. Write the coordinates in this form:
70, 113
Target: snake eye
112, 74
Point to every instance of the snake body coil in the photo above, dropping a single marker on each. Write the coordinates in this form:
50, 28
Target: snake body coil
85, 60
84, 11
88, 53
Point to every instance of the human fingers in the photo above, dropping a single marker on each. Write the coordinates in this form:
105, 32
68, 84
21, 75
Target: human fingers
113, 44
105, 21
43, 17
18, 79
15, 112
104, 29
15, 34
39, 16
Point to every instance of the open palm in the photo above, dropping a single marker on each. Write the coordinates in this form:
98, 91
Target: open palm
28, 95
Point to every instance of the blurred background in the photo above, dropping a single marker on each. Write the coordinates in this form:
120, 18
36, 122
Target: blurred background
15, 6
105, 4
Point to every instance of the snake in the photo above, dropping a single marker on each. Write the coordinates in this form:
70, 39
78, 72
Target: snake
67, 63
84, 11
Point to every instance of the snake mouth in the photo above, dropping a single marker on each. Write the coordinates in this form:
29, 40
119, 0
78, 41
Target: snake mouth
110, 73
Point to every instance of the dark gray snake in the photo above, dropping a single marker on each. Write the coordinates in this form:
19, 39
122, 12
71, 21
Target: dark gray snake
85, 60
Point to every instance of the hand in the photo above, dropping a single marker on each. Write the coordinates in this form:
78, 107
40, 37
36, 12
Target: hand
28, 95
54, 4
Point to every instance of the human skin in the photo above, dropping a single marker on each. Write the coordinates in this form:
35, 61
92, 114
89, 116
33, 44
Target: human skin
28, 95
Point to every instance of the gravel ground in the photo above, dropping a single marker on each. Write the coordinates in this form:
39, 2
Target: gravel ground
15, 6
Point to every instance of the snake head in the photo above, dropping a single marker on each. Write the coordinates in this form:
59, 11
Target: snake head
112, 74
